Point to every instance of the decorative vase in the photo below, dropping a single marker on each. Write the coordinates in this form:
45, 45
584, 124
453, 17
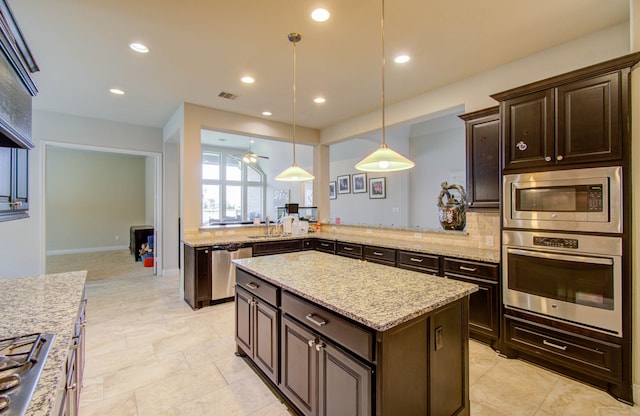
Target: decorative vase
451, 210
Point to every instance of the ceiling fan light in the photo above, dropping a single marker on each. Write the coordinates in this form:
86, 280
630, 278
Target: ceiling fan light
295, 173
384, 159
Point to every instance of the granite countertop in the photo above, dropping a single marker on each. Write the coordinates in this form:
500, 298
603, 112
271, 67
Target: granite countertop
48, 304
379, 297
207, 239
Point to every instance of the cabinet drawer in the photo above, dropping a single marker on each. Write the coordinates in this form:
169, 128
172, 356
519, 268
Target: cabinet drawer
471, 268
353, 337
380, 255
276, 247
349, 250
326, 246
258, 287
308, 244
420, 262
579, 353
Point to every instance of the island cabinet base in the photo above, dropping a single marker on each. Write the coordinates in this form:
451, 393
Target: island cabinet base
329, 365
423, 365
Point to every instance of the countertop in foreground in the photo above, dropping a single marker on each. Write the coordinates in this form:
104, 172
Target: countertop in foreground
379, 297
48, 304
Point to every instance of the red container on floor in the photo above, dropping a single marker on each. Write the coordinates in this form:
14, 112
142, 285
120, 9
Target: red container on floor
148, 262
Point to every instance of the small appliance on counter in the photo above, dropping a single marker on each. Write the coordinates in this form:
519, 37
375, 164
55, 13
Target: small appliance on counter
22, 359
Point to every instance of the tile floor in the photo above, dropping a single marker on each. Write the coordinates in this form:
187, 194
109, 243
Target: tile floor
148, 353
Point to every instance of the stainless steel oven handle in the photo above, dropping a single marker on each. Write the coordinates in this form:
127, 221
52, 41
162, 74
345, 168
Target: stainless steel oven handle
564, 257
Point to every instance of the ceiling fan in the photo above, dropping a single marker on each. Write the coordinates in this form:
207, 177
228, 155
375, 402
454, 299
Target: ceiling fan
251, 157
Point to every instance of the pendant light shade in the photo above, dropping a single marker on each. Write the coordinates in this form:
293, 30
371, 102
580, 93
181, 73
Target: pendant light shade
384, 159
294, 173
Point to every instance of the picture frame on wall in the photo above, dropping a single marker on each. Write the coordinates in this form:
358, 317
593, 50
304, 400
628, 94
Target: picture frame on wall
344, 184
377, 188
332, 190
359, 183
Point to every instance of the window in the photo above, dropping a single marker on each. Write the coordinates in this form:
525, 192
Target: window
232, 191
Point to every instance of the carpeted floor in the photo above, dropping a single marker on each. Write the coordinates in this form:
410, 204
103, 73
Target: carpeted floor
100, 265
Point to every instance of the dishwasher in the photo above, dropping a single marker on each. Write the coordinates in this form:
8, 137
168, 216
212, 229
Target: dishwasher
223, 271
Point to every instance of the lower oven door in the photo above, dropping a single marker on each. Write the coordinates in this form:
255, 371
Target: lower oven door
572, 278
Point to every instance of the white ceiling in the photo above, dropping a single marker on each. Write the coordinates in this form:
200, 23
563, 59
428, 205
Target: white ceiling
199, 48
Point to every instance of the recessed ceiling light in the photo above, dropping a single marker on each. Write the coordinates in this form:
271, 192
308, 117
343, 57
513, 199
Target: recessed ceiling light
319, 100
267, 113
402, 59
320, 15
247, 80
139, 47
116, 91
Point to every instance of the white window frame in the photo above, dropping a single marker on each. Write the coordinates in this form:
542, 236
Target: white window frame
244, 183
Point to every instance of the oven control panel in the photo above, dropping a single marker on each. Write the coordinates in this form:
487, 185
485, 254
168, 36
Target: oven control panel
555, 242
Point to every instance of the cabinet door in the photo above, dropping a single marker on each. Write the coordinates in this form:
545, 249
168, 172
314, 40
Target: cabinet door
483, 306
299, 366
528, 130
589, 120
344, 384
483, 162
244, 321
265, 349
14, 183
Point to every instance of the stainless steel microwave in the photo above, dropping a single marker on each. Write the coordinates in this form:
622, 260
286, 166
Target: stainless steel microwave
585, 200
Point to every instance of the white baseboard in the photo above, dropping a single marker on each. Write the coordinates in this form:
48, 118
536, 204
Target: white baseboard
86, 250
636, 394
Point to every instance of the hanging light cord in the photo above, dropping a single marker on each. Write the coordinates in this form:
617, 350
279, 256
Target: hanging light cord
294, 38
383, 63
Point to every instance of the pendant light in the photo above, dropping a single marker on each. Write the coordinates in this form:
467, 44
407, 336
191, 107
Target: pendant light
294, 173
384, 159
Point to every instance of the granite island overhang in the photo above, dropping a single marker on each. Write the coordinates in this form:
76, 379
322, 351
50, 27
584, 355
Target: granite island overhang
400, 337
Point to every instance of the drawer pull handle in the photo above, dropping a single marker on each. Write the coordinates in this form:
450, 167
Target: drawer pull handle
312, 319
417, 260
324, 244
311, 343
377, 253
252, 285
320, 346
348, 248
551, 344
468, 269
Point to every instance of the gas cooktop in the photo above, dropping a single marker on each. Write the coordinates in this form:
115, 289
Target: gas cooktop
21, 361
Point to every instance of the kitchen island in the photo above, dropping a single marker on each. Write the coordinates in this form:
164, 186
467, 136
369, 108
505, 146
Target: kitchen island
341, 336
50, 304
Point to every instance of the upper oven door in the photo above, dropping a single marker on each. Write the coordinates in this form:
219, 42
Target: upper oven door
585, 200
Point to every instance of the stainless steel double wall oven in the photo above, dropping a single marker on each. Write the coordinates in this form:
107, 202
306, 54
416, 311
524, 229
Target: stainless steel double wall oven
562, 245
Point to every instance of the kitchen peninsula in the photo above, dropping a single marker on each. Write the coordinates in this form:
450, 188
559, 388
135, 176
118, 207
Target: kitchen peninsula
337, 335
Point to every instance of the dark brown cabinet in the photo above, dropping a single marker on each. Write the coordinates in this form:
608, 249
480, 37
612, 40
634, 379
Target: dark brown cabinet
484, 305
327, 246
74, 369
197, 276
483, 158
257, 331
349, 250
380, 255
419, 262
569, 352
321, 379
578, 117
276, 247
14, 183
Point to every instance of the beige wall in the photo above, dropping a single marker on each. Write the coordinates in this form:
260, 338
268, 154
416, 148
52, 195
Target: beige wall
92, 199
